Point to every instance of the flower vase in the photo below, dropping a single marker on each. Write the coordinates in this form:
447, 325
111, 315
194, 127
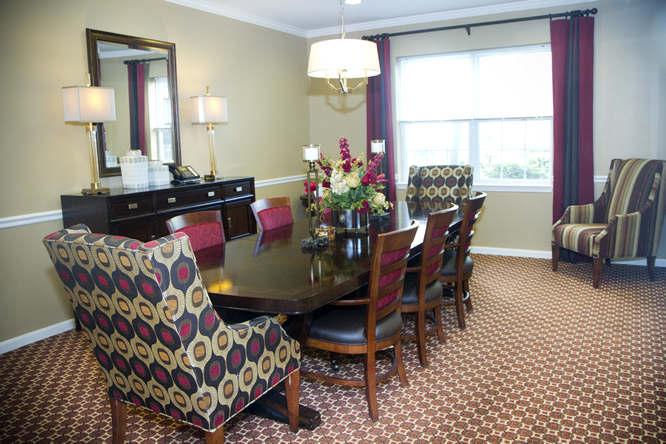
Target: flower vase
350, 221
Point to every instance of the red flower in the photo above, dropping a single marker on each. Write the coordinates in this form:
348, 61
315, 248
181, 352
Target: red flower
313, 187
369, 178
380, 178
347, 166
326, 184
365, 209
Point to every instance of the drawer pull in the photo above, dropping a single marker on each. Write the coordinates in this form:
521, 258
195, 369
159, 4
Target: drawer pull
171, 200
211, 194
229, 222
239, 189
132, 206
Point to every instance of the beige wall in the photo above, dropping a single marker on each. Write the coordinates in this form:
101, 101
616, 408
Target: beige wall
629, 102
260, 71
273, 109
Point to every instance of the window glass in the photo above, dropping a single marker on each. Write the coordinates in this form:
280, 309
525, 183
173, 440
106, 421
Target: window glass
491, 109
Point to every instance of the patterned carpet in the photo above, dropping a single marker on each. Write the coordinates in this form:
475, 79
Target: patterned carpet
544, 358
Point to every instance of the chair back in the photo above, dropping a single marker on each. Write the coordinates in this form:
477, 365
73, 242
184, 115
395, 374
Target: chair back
204, 228
632, 185
471, 214
157, 339
272, 212
387, 275
433, 247
440, 183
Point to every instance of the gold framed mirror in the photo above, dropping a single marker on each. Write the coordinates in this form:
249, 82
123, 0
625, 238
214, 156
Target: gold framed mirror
143, 74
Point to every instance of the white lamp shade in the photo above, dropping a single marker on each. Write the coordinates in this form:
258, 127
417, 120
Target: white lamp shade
85, 104
356, 56
377, 146
209, 109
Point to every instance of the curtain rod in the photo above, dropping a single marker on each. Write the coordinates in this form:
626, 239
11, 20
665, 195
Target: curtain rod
468, 27
127, 62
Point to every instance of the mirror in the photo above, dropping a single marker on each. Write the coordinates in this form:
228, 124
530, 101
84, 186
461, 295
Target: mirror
143, 75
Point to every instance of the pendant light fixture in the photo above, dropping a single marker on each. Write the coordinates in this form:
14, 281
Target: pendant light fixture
345, 59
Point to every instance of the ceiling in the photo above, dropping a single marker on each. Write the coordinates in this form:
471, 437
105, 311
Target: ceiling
315, 18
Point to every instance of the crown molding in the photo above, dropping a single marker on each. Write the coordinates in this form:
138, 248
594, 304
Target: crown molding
207, 6
211, 7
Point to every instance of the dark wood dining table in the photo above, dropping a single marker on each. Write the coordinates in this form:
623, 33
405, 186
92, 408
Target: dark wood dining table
271, 273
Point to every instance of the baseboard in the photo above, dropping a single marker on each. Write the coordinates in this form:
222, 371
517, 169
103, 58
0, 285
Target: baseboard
38, 335
548, 255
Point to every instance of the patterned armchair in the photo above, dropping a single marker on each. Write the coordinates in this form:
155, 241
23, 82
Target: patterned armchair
157, 338
440, 183
625, 221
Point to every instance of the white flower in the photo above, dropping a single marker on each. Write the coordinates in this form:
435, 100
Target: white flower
353, 180
379, 199
338, 183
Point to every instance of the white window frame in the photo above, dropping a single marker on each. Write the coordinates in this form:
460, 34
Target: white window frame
525, 185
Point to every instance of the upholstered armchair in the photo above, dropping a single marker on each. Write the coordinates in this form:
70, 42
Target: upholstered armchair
157, 338
440, 183
625, 221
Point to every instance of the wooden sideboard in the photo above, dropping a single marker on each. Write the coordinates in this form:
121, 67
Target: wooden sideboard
141, 214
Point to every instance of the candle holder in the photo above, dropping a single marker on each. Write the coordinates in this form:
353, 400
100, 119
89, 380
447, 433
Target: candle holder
310, 155
376, 147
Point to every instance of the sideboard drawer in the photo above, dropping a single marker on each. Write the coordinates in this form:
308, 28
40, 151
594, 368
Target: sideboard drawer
237, 189
133, 207
179, 198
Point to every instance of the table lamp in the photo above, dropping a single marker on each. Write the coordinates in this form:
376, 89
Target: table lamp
90, 105
210, 110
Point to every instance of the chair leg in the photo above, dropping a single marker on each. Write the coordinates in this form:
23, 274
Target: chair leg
371, 385
468, 298
216, 437
437, 311
401, 366
650, 264
460, 312
556, 256
596, 265
291, 386
420, 338
118, 421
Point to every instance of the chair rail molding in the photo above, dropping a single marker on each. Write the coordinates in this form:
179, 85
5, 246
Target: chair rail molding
32, 218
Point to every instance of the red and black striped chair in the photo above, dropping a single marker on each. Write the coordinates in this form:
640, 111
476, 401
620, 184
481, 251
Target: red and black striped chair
625, 221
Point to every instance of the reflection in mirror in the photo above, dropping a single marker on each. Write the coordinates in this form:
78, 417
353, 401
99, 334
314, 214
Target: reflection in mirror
143, 75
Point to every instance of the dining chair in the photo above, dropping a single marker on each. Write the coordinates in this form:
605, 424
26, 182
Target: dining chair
204, 228
422, 290
272, 212
157, 339
369, 320
440, 183
626, 220
457, 266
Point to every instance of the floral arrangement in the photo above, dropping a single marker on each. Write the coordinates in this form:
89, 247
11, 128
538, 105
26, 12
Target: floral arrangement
348, 185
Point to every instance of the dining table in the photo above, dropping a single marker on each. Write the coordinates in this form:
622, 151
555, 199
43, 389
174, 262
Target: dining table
271, 272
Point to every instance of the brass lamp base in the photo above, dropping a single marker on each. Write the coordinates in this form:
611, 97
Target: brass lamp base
95, 188
213, 178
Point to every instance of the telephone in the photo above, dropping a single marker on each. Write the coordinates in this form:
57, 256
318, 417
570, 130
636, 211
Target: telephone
183, 175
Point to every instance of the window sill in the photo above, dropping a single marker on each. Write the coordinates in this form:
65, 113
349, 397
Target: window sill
501, 188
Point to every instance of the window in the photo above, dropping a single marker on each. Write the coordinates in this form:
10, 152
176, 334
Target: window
492, 109
160, 118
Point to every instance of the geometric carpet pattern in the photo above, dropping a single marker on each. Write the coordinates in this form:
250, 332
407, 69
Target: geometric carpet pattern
544, 358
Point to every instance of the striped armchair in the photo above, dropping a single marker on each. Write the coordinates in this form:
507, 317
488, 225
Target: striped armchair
625, 221
440, 183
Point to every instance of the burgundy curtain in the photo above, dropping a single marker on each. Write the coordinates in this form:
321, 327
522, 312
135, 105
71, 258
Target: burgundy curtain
379, 114
137, 104
572, 47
